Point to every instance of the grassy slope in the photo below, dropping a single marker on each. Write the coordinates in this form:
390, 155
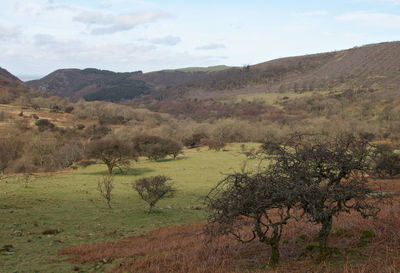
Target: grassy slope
70, 202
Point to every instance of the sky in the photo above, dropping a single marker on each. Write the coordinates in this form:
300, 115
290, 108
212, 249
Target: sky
40, 36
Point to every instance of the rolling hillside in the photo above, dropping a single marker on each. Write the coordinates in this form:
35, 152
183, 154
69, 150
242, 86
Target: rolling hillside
375, 66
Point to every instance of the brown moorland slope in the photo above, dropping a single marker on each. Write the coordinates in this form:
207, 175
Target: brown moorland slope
374, 66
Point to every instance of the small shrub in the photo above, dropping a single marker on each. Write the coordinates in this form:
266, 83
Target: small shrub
55, 109
44, 124
365, 238
69, 109
313, 246
367, 235
105, 187
339, 231
153, 189
303, 237
50, 231
80, 126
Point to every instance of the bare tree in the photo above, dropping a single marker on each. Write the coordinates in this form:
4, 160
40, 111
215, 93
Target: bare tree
153, 189
105, 187
329, 175
260, 203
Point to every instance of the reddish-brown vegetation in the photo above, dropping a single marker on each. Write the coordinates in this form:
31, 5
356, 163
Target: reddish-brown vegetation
186, 248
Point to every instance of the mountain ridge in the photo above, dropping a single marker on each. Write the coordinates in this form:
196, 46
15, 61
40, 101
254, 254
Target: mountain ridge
369, 66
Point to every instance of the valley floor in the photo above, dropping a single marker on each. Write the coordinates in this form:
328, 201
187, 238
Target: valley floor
59, 223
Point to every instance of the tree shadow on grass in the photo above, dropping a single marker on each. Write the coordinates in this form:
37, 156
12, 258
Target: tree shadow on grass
126, 172
171, 159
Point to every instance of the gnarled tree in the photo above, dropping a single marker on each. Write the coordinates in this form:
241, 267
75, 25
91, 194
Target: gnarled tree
251, 206
329, 174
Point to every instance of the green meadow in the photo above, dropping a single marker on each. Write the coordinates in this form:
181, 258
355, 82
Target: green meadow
69, 204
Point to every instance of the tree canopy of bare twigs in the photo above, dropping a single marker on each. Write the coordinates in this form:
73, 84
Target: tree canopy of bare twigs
316, 177
329, 174
260, 201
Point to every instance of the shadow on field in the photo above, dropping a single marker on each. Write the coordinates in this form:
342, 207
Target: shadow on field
125, 172
171, 159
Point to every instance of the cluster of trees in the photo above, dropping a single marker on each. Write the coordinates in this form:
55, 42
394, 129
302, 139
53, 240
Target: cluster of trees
311, 178
115, 152
155, 147
43, 152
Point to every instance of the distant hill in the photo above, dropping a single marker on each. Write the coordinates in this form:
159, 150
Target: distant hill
7, 76
375, 66
94, 84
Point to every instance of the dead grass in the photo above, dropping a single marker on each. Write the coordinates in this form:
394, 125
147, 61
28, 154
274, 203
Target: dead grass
185, 248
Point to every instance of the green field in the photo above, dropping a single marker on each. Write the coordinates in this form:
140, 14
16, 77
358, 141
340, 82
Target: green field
70, 202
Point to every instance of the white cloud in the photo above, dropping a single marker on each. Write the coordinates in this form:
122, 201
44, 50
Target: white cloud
167, 40
108, 23
93, 17
211, 46
8, 32
373, 19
